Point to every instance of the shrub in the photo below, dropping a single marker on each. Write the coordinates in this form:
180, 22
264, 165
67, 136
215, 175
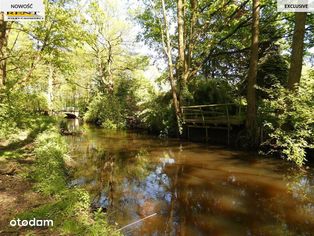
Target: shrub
106, 111
288, 119
158, 115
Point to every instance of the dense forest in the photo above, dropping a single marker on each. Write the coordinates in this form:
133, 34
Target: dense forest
138, 65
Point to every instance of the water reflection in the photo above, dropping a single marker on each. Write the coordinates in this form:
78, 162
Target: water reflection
195, 190
70, 126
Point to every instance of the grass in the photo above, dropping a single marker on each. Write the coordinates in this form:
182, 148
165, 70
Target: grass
69, 208
35, 125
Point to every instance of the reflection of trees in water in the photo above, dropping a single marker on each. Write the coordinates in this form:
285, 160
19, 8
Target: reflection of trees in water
233, 202
300, 185
110, 170
195, 199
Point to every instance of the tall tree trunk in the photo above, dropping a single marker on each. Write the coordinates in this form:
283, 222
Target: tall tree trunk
50, 88
3, 48
185, 44
297, 50
168, 48
251, 91
191, 44
181, 67
109, 71
181, 41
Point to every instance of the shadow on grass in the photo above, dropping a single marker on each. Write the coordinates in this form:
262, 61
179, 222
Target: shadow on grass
39, 125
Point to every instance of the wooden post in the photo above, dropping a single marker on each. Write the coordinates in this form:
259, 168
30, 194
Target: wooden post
206, 134
228, 123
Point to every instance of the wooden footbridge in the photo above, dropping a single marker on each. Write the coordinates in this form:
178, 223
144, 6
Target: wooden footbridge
214, 116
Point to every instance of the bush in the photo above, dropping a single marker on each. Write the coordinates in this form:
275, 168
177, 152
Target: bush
106, 111
158, 115
288, 119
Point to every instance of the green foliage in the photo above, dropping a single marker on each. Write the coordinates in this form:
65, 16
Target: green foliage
69, 208
273, 69
71, 215
158, 115
127, 107
287, 117
211, 91
105, 111
49, 171
17, 115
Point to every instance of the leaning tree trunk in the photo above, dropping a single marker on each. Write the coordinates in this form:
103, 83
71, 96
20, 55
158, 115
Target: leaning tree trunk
3, 46
251, 90
181, 67
297, 50
167, 48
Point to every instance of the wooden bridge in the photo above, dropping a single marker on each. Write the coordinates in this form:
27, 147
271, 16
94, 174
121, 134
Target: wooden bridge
214, 116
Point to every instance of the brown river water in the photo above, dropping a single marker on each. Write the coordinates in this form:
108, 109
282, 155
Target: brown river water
194, 189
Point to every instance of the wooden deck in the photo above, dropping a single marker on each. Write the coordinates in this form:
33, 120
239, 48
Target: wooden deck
213, 116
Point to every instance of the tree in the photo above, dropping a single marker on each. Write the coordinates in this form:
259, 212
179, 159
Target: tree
43, 42
166, 40
105, 36
3, 48
251, 90
297, 50
187, 18
181, 47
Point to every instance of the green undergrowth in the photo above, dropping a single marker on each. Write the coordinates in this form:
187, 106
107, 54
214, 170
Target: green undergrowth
69, 207
15, 132
49, 172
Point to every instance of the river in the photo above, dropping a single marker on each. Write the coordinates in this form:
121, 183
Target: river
194, 189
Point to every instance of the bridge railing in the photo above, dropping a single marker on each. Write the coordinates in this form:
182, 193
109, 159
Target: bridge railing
69, 109
213, 114
222, 116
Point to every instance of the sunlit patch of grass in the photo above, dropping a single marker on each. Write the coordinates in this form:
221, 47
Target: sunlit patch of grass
11, 154
69, 208
49, 172
71, 215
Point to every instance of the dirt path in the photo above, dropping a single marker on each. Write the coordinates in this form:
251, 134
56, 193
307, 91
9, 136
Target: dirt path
16, 191
16, 196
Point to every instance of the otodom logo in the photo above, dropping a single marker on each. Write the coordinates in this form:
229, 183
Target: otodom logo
31, 223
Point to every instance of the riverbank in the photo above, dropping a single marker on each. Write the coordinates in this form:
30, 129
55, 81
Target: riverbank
34, 177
